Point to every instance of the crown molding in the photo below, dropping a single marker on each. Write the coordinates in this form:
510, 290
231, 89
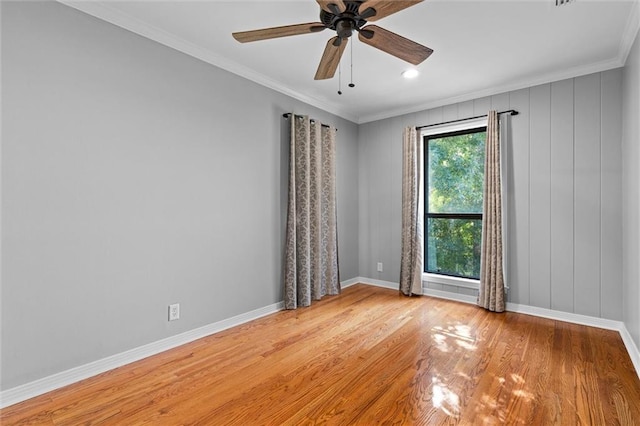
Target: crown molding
632, 27
102, 11
521, 84
630, 31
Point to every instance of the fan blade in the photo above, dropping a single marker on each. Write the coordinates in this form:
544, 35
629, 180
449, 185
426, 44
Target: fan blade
275, 32
394, 44
384, 7
324, 4
331, 58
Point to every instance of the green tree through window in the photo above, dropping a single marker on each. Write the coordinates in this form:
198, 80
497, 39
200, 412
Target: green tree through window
455, 174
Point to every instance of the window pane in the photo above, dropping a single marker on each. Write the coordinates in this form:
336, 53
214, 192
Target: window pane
456, 170
453, 246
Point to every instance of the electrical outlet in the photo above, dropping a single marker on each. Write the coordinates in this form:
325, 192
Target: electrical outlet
174, 312
379, 266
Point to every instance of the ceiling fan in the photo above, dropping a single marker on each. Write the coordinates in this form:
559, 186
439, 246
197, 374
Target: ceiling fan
344, 17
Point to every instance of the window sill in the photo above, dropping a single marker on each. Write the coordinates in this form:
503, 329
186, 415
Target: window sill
454, 281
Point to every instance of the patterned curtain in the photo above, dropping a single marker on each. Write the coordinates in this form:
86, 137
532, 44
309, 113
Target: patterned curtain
311, 254
491, 295
412, 214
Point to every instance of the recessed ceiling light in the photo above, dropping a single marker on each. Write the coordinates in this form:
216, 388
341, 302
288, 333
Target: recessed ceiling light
410, 73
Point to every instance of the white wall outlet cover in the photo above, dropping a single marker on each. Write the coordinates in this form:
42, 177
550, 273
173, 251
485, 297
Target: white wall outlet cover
174, 312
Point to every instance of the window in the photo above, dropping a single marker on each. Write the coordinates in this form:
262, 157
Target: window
454, 173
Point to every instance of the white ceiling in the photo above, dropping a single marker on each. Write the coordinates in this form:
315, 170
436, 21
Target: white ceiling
480, 47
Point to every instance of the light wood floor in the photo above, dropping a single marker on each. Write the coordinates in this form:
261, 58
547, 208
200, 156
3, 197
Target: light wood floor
368, 356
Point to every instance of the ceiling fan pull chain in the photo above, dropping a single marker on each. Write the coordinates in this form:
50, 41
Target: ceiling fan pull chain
339, 78
351, 84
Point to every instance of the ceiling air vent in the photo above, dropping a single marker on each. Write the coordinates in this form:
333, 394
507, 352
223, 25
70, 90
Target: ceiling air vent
563, 2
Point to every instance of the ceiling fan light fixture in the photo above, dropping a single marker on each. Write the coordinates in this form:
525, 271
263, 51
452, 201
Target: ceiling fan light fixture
410, 73
345, 27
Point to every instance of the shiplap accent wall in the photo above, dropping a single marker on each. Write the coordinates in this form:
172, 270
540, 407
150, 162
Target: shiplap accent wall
564, 193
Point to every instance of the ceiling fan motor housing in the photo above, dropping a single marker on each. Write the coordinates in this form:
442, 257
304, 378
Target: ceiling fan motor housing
344, 23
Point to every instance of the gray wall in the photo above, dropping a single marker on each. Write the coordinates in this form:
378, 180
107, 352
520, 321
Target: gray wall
134, 176
131, 180
564, 193
631, 192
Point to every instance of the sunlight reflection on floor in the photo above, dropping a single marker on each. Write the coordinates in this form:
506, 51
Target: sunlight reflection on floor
444, 399
509, 389
458, 340
460, 333
441, 342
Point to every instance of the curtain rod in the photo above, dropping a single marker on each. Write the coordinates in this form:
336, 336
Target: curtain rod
288, 114
509, 111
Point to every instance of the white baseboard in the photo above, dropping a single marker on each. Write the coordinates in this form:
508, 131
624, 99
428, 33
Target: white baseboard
56, 381
64, 378
634, 353
607, 324
349, 283
566, 316
378, 283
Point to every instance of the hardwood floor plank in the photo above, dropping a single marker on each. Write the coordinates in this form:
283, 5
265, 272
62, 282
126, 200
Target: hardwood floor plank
368, 356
